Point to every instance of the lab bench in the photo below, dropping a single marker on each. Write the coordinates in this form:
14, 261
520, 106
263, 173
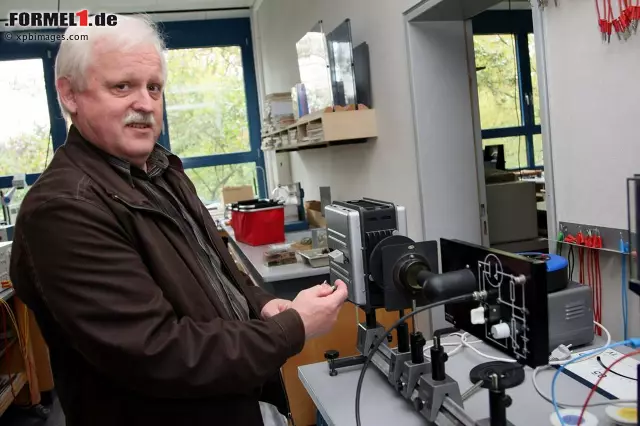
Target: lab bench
381, 405
284, 281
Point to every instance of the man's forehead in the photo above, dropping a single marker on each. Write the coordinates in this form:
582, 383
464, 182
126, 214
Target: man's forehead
135, 62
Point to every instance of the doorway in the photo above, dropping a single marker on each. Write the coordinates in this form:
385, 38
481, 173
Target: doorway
512, 148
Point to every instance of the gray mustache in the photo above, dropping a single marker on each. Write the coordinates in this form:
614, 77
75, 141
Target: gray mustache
139, 118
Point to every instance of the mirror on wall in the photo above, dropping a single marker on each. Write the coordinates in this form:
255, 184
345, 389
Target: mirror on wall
313, 63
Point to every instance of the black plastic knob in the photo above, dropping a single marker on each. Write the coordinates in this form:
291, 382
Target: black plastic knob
418, 404
507, 401
331, 354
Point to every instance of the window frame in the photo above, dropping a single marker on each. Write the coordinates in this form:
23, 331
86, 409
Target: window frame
517, 23
178, 35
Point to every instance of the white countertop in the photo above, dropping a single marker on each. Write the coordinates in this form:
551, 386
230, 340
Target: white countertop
254, 254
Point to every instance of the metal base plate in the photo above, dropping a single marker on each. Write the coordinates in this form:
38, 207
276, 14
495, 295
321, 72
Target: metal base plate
411, 374
511, 375
396, 366
367, 337
432, 394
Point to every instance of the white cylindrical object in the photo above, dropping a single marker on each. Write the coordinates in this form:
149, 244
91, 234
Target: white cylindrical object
500, 331
623, 414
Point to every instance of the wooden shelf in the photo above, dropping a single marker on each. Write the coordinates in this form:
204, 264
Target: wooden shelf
6, 396
333, 128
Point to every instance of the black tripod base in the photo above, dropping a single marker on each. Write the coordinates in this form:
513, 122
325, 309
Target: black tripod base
334, 362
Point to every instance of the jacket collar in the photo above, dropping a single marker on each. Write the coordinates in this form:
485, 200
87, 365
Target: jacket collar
114, 174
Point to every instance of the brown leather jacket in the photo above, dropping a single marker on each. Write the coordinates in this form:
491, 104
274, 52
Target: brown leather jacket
135, 332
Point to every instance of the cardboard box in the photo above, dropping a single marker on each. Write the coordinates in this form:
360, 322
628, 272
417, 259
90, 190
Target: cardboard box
314, 214
233, 194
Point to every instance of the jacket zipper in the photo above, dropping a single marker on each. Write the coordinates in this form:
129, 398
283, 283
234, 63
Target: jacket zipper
238, 286
286, 398
150, 210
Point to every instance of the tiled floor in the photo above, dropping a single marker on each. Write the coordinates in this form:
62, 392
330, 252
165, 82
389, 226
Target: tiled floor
18, 417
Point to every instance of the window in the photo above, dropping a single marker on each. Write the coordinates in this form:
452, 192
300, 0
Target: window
212, 118
209, 181
211, 102
508, 86
206, 101
25, 137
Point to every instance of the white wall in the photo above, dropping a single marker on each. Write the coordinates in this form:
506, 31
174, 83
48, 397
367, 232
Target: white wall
593, 103
373, 169
446, 129
593, 99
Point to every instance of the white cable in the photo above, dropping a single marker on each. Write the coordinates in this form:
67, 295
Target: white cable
467, 344
458, 346
537, 370
563, 404
598, 351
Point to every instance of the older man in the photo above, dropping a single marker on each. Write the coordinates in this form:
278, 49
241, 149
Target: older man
147, 318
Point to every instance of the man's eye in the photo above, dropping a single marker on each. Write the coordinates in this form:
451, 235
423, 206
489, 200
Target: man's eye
155, 87
122, 86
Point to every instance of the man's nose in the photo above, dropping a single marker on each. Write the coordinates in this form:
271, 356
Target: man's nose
143, 102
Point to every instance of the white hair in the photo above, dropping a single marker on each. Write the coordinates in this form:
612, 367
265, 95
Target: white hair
76, 48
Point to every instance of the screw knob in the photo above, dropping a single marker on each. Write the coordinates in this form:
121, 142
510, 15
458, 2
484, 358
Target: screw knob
507, 401
331, 354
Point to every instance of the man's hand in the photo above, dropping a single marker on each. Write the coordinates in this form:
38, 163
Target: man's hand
274, 307
319, 306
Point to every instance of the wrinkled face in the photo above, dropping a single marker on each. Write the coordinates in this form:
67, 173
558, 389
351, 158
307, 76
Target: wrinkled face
120, 110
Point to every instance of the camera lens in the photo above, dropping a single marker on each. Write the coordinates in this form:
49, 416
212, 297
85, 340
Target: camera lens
408, 272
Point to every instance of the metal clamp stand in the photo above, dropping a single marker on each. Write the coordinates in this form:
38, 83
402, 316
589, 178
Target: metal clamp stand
498, 403
436, 387
398, 357
415, 368
368, 333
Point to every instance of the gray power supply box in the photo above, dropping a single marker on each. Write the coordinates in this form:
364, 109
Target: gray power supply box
571, 316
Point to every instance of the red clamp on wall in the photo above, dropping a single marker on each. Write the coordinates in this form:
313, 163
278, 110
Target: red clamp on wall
598, 240
571, 239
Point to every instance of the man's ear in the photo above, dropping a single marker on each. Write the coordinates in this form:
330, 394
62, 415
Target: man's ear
67, 94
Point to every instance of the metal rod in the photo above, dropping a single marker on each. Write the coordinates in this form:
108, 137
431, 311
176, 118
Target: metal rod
413, 320
472, 390
371, 320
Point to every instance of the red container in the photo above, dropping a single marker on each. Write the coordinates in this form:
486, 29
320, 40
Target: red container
258, 224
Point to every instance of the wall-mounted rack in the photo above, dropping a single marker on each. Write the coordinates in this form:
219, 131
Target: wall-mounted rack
610, 236
323, 129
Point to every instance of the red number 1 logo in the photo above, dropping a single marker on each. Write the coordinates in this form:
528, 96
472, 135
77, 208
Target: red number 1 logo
84, 17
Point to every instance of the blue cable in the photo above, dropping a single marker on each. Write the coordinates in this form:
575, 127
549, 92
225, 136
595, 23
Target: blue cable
624, 249
633, 342
625, 300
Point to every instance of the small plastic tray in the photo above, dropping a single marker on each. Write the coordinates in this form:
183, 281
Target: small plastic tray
316, 258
